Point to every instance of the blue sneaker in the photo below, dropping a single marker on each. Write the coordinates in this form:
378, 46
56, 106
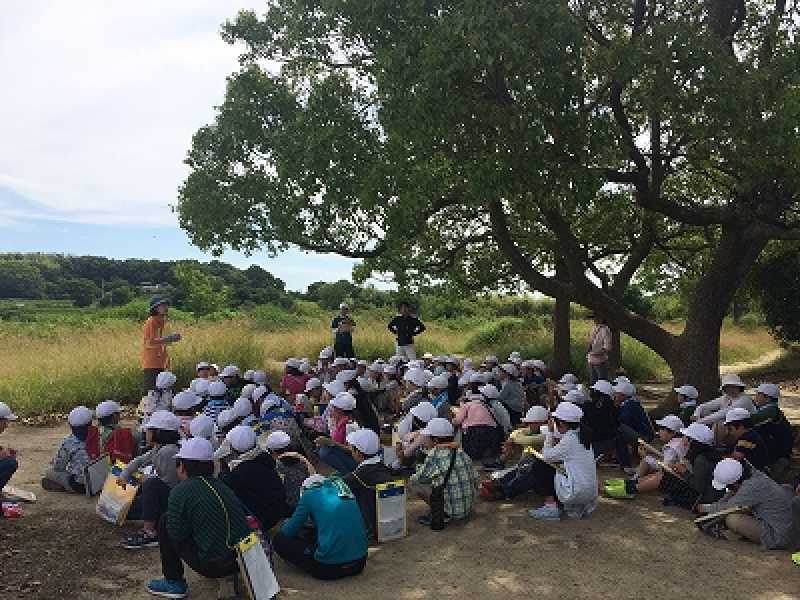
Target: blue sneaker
168, 589
547, 512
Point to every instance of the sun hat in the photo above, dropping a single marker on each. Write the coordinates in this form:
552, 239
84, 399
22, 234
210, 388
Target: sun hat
277, 440
770, 390
687, 390
727, 471
344, 401
536, 414
489, 391
241, 438
185, 400
736, 414
5, 413
79, 416
365, 441
424, 411
242, 408
162, 419
568, 412
201, 426
604, 387
196, 448
217, 389
700, 433
670, 422
102, 410
165, 380
438, 428
732, 379
157, 300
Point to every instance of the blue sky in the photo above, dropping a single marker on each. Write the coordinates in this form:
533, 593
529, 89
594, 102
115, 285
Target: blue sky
99, 104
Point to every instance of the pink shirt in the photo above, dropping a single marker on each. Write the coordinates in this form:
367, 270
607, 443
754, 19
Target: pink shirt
339, 433
599, 345
294, 384
473, 414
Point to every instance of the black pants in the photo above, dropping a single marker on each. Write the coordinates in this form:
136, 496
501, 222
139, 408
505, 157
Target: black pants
173, 555
514, 415
344, 350
151, 501
149, 379
300, 552
533, 475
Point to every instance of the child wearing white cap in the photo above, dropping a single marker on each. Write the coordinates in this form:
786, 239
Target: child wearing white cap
151, 499
600, 415
440, 397
448, 466
333, 450
480, 434
770, 523
217, 400
202, 427
185, 406
277, 416
8, 456
574, 489
633, 423
365, 445
121, 443
66, 472
409, 448
512, 396
691, 482
772, 424
712, 413
293, 381
159, 398
253, 478
745, 443
292, 467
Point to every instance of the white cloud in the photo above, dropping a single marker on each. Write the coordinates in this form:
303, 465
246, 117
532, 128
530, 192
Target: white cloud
100, 100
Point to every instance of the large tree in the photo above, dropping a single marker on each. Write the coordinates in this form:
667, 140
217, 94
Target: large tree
575, 145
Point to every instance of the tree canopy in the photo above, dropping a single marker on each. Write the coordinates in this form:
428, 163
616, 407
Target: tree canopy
482, 143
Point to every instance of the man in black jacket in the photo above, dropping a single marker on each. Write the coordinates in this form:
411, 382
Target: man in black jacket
253, 478
366, 447
405, 326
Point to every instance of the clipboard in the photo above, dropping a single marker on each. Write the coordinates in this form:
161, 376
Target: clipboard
14, 493
711, 517
95, 474
651, 449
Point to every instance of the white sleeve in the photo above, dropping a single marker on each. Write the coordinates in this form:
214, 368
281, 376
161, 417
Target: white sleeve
560, 451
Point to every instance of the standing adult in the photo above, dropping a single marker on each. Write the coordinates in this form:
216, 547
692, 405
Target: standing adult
599, 347
342, 326
405, 326
154, 353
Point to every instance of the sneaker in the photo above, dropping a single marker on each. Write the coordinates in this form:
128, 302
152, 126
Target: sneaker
426, 520
546, 512
140, 540
617, 491
168, 589
796, 558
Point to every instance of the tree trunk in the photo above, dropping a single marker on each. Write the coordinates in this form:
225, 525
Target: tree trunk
615, 356
561, 362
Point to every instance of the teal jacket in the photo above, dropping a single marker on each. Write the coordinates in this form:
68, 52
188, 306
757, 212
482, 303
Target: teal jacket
341, 536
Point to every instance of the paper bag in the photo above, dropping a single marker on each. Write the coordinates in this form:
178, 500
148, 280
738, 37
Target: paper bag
115, 502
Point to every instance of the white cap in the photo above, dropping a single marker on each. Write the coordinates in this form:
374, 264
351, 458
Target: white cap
451, 360
440, 382
575, 396
732, 379
334, 388
527, 364
727, 471
514, 354
277, 440
478, 377
365, 441
427, 356
343, 305
346, 375
217, 389
326, 353
568, 412
315, 479
259, 377
620, 379
202, 426
241, 438
5, 413
200, 386
259, 393
700, 433
687, 390
489, 391
376, 367
438, 428
196, 448
417, 377
242, 408
670, 422
185, 400
362, 363
202, 365
770, 390
271, 401
539, 364
294, 363
604, 387
225, 418
305, 366
230, 371
247, 391
79, 416
510, 369
344, 401
340, 362
569, 378
491, 359
736, 414
248, 375
165, 380
566, 387
536, 414
162, 419
389, 369
468, 363
104, 409
626, 388
313, 384
424, 411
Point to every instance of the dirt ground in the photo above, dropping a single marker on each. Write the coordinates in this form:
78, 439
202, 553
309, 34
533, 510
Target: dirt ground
627, 549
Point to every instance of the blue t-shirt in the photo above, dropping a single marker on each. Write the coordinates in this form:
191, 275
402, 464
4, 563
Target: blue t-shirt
632, 414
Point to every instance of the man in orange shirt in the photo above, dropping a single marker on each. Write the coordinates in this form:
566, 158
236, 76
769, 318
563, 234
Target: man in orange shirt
154, 353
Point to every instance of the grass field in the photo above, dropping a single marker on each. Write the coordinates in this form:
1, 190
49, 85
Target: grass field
52, 366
